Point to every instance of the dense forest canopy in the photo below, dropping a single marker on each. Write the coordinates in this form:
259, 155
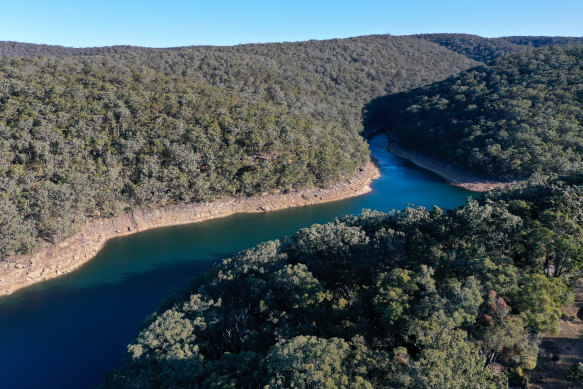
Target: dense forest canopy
486, 49
539, 41
521, 114
474, 46
411, 299
91, 132
416, 298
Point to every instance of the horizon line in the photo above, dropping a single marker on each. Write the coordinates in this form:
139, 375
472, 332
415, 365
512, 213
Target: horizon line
283, 42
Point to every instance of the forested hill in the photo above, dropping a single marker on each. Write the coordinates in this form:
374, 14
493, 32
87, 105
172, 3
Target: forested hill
539, 41
92, 132
487, 49
520, 115
347, 70
474, 46
410, 299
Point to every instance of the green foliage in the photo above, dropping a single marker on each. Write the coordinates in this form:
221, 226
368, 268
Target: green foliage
414, 298
543, 297
88, 133
473, 46
487, 49
448, 358
520, 115
575, 373
539, 41
311, 362
394, 292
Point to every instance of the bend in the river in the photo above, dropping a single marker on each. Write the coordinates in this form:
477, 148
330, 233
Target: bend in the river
69, 331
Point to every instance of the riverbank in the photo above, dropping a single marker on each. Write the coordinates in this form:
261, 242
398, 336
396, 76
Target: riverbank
50, 261
451, 174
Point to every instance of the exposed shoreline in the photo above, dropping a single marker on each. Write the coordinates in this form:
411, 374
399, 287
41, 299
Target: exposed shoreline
451, 174
50, 261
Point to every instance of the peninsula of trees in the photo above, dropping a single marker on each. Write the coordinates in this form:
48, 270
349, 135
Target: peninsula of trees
417, 298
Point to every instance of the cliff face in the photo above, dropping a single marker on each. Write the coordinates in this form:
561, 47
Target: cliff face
51, 261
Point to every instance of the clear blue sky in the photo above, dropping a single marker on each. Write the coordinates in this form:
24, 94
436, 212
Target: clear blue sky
82, 23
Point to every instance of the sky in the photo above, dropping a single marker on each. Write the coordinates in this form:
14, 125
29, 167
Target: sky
169, 23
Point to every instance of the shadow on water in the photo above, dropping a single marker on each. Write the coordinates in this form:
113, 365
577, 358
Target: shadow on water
68, 332
85, 334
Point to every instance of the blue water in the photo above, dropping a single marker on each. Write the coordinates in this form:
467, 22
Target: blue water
70, 331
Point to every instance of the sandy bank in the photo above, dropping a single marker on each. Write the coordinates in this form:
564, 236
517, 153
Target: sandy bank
50, 261
451, 174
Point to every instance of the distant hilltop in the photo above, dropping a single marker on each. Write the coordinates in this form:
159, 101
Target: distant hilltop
472, 46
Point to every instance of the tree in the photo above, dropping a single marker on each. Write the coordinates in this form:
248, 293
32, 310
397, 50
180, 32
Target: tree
311, 362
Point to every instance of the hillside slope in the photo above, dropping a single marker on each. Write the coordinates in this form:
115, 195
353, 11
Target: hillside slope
409, 299
520, 115
486, 49
87, 133
474, 46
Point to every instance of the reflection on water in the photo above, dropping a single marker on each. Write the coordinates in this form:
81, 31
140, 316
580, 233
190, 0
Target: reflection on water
68, 332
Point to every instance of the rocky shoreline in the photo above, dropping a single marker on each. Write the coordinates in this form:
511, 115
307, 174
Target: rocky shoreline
50, 261
451, 174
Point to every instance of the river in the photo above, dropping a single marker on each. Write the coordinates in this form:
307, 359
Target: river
70, 331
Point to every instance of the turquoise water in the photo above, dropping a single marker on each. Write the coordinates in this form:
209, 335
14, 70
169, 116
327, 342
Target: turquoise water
70, 331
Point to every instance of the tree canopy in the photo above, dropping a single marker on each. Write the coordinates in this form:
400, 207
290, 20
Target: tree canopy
522, 114
486, 49
415, 298
88, 133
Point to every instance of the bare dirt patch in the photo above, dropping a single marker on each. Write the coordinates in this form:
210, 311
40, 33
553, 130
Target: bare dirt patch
558, 353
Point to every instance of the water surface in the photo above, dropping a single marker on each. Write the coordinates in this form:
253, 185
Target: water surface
70, 331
